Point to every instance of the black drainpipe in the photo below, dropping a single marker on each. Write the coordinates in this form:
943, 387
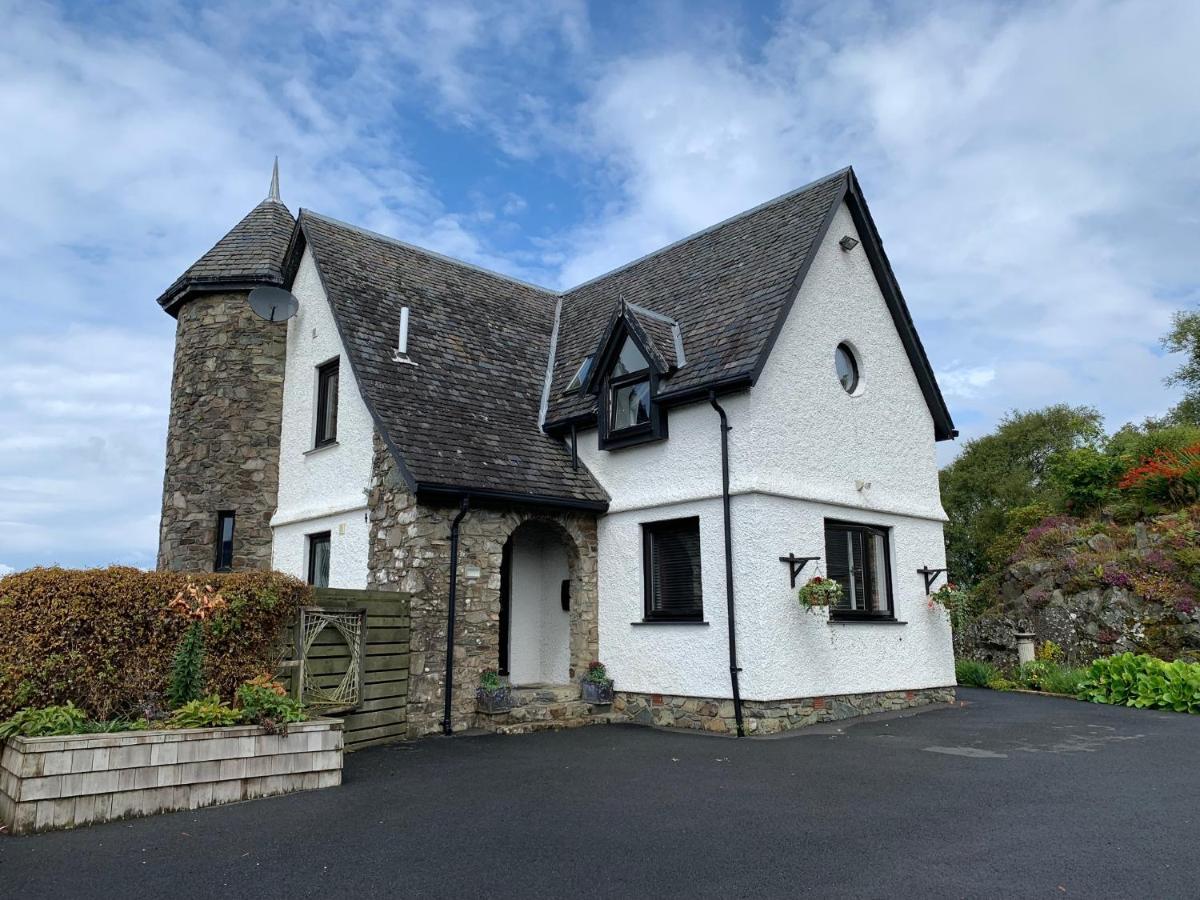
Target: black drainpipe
733, 665
447, 726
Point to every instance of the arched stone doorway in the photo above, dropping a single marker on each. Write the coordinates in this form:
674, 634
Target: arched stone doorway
535, 604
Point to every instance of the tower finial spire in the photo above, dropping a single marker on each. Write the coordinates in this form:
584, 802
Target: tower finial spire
274, 194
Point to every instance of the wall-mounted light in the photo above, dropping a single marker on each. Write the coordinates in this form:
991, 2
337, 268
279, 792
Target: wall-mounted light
848, 243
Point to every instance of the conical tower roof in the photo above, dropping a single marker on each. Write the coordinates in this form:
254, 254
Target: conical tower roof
249, 255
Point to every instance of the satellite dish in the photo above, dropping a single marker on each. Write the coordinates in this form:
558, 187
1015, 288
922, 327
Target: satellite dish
273, 304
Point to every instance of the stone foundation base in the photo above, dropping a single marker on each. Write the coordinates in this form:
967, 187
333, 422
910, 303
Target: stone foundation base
764, 716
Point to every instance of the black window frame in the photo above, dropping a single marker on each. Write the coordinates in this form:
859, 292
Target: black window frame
655, 429
326, 371
844, 347
221, 563
885, 534
649, 611
313, 539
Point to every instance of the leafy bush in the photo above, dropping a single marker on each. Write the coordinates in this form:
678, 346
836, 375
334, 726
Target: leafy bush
1051, 677
45, 722
1085, 478
264, 702
104, 639
1169, 477
207, 712
489, 681
1145, 682
973, 673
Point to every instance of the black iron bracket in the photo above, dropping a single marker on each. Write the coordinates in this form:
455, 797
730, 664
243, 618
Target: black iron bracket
796, 564
931, 575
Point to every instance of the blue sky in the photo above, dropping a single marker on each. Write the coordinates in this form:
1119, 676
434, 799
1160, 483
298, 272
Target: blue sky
1033, 170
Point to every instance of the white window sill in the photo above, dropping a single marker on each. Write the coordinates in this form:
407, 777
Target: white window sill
328, 446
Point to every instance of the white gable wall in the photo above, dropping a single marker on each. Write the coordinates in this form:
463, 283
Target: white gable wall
323, 489
799, 446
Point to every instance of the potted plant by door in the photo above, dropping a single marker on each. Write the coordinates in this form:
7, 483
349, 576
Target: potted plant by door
492, 695
597, 686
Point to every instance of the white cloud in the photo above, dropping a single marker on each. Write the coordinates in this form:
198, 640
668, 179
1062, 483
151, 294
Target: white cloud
6, 570
1031, 169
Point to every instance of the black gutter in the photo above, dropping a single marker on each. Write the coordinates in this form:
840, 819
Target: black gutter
447, 725
733, 665
448, 492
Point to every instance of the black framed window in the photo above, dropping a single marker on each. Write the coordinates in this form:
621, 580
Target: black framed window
318, 559
327, 403
629, 389
857, 557
671, 562
223, 559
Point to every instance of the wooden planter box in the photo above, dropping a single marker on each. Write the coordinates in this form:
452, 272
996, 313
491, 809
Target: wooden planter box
62, 782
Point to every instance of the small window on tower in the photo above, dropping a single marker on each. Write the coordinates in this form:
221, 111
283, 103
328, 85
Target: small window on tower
223, 562
327, 403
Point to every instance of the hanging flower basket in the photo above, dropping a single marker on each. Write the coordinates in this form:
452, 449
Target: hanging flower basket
819, 593
597, 687
954, 600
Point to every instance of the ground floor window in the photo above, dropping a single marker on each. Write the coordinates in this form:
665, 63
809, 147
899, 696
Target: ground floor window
856, 556
318, 559
671, 562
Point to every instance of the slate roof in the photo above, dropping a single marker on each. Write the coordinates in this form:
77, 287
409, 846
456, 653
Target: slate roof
726, 286
468, 417
467, 414
250, 254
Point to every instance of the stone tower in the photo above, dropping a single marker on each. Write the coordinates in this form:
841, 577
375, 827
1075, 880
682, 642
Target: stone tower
226, 398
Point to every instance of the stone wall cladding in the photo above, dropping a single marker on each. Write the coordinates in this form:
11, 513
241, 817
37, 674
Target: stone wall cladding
410, 551
50, 783
223, 434
765, 716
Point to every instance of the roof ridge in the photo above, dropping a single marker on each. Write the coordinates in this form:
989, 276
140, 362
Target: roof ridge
840, 173
367, 232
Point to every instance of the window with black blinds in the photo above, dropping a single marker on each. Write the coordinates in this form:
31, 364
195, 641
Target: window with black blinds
671, 557
856, 557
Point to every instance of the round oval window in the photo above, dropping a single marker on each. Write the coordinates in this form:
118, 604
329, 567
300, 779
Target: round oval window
847, 367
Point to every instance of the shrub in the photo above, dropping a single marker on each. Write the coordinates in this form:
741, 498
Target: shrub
1168, 477
1085, 478
264, 702
489, 681
207, 712
1051, 677
973, 673
46, 721
1145, 682
104, 639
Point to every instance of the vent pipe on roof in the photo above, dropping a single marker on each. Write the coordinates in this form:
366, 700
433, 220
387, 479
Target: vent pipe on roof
400, 354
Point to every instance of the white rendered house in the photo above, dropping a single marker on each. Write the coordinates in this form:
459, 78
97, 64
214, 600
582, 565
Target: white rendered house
554, 461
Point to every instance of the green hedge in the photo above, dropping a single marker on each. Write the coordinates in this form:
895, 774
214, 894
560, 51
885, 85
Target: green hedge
103, 639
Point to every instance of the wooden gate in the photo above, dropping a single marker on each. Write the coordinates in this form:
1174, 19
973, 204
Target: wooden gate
350, 659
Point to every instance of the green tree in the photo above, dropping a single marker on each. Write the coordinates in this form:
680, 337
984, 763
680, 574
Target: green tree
1006, 471
1184, 337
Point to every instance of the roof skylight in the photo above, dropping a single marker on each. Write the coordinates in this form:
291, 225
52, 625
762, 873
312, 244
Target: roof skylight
581, 374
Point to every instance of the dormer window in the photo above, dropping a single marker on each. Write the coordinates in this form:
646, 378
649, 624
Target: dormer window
630, 415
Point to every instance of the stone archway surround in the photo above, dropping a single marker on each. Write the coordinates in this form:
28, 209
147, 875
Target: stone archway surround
410, 551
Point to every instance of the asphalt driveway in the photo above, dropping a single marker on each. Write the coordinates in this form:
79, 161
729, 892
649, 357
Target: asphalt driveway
1006, 795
